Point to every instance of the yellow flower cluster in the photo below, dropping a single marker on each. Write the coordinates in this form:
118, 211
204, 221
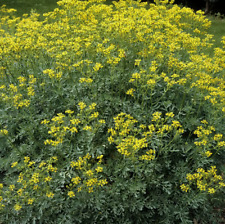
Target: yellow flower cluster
62, 125
164, 46
207, 140
130, 139
33, 183
207, 181
19, 95
71, 36
52, 74
3, 132
88, 177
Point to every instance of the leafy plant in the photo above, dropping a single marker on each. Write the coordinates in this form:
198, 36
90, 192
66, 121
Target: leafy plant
111, 113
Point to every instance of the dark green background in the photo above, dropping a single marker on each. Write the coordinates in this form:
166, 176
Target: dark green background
25, 6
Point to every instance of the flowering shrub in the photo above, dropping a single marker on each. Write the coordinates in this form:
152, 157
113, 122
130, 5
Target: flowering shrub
111, 114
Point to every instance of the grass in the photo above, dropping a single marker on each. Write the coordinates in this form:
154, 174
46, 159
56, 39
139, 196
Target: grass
217, 29
41, 6
23, 6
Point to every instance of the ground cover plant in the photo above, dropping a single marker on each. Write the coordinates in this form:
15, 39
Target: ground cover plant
111, 114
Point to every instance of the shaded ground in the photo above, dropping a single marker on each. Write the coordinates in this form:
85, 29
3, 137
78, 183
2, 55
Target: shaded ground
24, 6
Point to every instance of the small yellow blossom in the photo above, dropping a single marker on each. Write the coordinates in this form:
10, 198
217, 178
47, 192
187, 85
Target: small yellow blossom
17, 207
156, 116
92, 106
14, 164
130, 92
69, 111
30, 201
47, 179
211, 190
76, 180
89, 173
82, 105
170, 114
71, 194
208, 153
102, 182
11, 187
79, 189
26, 159
137, 62
4, 132
184, 187
99, 169
87, 128
97, 67
101, 121
49, 194
217, 137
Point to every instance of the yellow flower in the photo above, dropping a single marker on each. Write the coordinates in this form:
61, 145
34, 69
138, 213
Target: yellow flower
97, 67
76, 180
26, 159
130, 92
151, 82
31, 163
217, 137
11, 187
101, 121
211, 190
79, 189
102, 182
91, 182
47, 179
110, 140
100, 159
137, 62
72, 164
99, 169
20, 191
4, 132
73, 130
49, 194
171, 114
92, 106
30, 201
14, 164
45, 122
82, 105
90, 190
35, 187
184, 187
89, 173
204, 122
94, 115
87, 128
69, 111
176, 124
208, 153
156, 116
71, 194
17, 207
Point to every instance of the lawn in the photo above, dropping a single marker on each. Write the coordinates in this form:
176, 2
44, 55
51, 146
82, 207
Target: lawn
217, 29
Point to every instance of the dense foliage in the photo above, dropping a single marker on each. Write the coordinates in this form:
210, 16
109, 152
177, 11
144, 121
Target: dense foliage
111, 114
